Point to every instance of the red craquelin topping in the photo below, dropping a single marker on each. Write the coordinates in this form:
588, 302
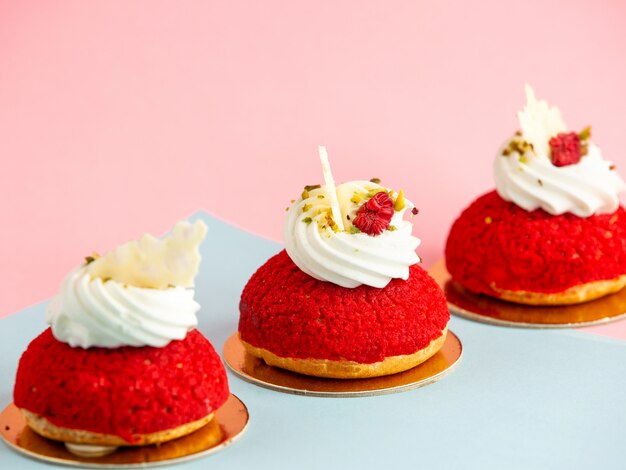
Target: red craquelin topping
374, 217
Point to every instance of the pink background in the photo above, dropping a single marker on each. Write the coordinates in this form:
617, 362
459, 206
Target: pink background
119, 118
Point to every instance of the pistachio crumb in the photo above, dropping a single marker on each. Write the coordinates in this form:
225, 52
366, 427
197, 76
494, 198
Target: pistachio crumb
306, 207
307, 220
375, 180
399, 204
305, 194
320, 196
90, 259
356, 198
354, 229
392, 228
374, 192
523, 159
311, 187
585, 133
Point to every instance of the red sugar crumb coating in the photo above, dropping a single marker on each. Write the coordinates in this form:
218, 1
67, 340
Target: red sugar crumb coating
121, 391
495, 242
293, 315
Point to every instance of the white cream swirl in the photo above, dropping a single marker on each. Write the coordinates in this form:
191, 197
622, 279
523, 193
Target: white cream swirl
531, 181
344, 258
89, 312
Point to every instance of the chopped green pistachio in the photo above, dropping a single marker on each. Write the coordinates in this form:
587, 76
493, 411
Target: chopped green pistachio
305, 194
584, 148
106, 279
306, 207
392, 228
356, 197
375, 180
399, 204
585, 133
307, 220
519, 146
523, 159
90, 259
354, 229
320, 196
311, 187
374, 192
293, 200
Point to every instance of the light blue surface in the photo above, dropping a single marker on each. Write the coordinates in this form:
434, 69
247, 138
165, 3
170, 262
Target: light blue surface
520, 399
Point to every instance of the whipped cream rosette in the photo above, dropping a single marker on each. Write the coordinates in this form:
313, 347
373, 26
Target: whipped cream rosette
546, 167
351, 234
140, 294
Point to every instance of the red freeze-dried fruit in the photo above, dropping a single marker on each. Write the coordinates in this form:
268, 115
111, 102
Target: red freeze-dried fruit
374, 216
565, 149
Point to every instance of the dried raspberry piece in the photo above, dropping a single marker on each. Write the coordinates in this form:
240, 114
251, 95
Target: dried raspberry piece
565, 149
374, 216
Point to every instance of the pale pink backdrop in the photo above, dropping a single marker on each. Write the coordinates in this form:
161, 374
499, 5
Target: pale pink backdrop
118, 117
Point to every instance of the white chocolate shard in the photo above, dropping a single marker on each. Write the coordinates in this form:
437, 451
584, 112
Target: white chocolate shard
331, 189
539, 122
155, 263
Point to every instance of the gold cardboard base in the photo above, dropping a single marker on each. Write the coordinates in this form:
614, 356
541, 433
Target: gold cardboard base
487, 309
227, 427
256, 371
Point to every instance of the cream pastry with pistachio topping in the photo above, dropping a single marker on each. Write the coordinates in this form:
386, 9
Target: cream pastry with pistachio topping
553, 232
347, 297
122, 363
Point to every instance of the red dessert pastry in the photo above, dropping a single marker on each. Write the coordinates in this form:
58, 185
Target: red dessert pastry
553, 232
122, 364
346, 298
499, 249
121, 396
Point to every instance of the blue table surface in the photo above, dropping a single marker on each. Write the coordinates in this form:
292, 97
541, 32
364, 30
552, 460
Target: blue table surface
519, 399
